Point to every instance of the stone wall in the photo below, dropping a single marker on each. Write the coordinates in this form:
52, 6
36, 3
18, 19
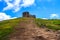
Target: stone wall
26, 14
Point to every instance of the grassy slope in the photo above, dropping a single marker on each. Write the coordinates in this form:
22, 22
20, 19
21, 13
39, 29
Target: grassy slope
7, 26
51, 24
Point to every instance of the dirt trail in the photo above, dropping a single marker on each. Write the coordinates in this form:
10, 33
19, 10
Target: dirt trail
28, 30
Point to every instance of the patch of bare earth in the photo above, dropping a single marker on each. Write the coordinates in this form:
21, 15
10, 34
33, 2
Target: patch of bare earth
28, 30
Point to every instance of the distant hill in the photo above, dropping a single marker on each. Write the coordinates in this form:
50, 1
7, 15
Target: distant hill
10, 26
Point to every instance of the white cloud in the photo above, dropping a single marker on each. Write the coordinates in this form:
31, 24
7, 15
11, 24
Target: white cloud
13, 18
27, 3
54, 16
16, 4
4, 16
45, 18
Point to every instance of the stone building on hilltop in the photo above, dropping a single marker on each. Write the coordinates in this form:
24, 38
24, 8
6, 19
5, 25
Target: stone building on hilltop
26, 14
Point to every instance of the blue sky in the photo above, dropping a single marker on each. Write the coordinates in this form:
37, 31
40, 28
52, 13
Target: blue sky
45, 9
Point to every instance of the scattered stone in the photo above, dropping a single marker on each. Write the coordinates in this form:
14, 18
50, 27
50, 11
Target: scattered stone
30, 31
58, 32
43, 26
40, 38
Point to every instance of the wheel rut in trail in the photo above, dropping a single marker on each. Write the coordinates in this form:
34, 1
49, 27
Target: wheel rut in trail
28, 30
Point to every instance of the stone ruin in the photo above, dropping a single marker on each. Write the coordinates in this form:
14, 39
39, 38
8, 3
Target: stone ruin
26, 14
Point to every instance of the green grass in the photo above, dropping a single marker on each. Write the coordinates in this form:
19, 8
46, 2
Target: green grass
50, 23
6, 26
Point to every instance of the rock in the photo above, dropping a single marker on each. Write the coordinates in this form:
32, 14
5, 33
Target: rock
58, 32
40, 38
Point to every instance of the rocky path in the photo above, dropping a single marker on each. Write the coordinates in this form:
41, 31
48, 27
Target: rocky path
28, 30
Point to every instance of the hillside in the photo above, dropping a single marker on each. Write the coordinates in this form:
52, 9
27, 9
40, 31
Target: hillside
33, 29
